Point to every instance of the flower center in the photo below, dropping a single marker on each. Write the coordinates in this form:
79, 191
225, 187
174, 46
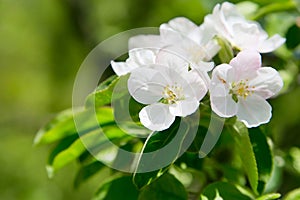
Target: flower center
172, 94
240, 89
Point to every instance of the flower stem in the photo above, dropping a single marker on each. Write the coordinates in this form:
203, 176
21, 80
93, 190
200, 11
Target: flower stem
274, 7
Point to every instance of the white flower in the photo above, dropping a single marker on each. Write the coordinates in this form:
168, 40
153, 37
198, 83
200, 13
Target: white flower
137, 58
241, 87
184, 38
167, 94
140, 57
241, 33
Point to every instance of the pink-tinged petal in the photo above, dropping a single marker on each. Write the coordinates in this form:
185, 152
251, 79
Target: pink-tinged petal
122, 68
224, 74
271, 44
221, 102
184, 108
156, 117
145, 41
245, 64
146, 85
254, 111
267, 83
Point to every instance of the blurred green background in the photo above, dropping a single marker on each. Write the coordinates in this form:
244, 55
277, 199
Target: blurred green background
42, 44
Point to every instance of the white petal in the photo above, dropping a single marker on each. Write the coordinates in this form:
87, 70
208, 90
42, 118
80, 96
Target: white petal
194, 86
156, 117
141, 56
180, 24
221, 102
146, 85
203, 66
122, 68
246, 63
247, 35
271, 44
254, 111
267, 83
184, 108
204, 76
169, 57
224, 74
203, 34
212, 48
145, 41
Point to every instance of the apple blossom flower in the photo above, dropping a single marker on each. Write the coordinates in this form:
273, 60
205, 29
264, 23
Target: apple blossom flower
183, 37
241, 33
166, 92
140, 57
241, 88
137, 58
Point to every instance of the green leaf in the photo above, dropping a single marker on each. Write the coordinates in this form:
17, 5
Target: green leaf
269, 196
157, 142
59, 127
63, 125
242, 139
61, 146
255, 154
96, 139
293, 195
274, 7
263, 156
297, 3
292, 37
65, 157
167, 187
104, 92
87, 171
226, 191
102, 95
120, 188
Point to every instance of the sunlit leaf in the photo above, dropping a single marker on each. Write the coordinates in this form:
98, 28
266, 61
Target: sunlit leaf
255, 154
293, 195
247, 155
64, 125
269, 196
263, 156
95, 139
59, 127
225, 191
103, 94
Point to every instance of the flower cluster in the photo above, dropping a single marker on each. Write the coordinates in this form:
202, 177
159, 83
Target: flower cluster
170, 72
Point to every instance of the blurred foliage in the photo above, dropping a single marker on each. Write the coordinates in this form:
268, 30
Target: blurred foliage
43, 44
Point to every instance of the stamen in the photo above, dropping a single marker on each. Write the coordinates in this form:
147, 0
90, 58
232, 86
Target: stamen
241, 89
172, 94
